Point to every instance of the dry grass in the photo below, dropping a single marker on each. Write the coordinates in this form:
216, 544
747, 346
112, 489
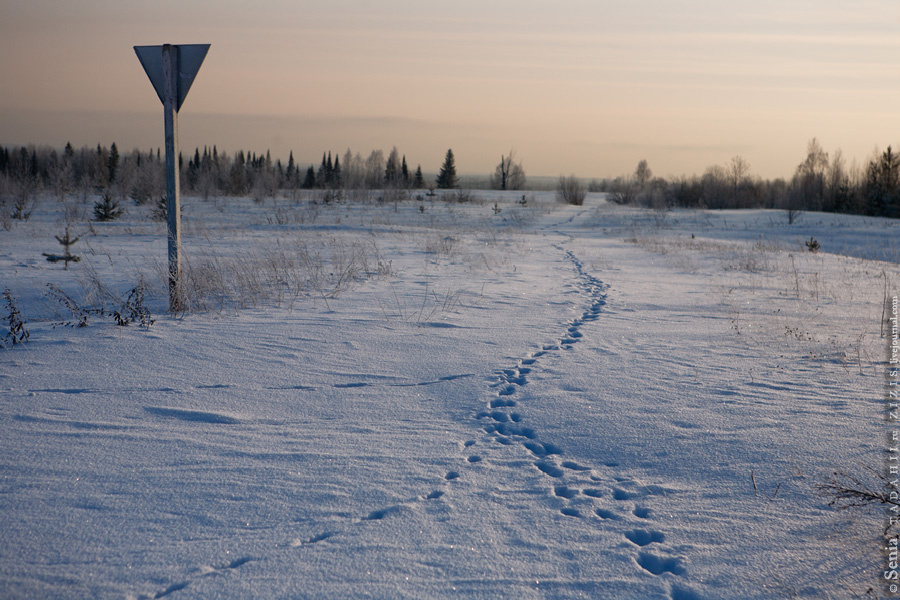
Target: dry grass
277, 275
830, 308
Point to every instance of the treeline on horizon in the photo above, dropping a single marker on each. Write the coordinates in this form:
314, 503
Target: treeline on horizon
821, 182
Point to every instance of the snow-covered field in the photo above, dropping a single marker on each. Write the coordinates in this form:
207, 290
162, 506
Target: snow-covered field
439, 400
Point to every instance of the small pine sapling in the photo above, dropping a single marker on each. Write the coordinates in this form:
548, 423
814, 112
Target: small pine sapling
812, 244
16, 333
161, 211
107, 209
67, 242
23, 207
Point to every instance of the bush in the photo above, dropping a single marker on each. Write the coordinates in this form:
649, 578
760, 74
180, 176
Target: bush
570, 190
16, 332
133, 309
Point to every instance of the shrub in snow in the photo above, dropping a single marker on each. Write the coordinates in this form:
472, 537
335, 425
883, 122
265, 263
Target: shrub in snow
79, 316
133, 309
570, 190
15, 325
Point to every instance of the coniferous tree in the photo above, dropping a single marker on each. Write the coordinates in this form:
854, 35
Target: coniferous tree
193, 173
279, 173
290, 175
337, 179
329, 172
310, 181
237, 176
418, 180
392, 169
882, 186
107, 209
33, 169
321, 173
404, 172
447, 177
112, 163
66, 242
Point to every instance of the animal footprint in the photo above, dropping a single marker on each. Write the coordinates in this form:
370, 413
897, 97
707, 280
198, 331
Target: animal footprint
573, 466
620, 494
606, 514
541, 450
642, 513
659, 564
642, 537
377, 515
502, 403
549, 469
172, 589
565, 492
318, 538
238, 562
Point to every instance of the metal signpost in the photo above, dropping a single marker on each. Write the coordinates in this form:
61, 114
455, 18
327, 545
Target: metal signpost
171, 69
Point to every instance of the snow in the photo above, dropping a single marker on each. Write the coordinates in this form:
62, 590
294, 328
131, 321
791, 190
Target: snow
437, 400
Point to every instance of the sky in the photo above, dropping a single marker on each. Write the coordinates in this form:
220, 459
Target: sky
584, 87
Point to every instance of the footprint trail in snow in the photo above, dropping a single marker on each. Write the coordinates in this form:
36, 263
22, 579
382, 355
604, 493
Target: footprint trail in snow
597, 500
580, 486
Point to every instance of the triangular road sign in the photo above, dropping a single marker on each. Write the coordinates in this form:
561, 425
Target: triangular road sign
189, 57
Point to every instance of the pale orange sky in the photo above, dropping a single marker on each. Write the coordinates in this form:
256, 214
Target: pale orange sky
575, 86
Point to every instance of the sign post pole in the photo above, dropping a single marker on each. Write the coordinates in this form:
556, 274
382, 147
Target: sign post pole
173, 176
171, 69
